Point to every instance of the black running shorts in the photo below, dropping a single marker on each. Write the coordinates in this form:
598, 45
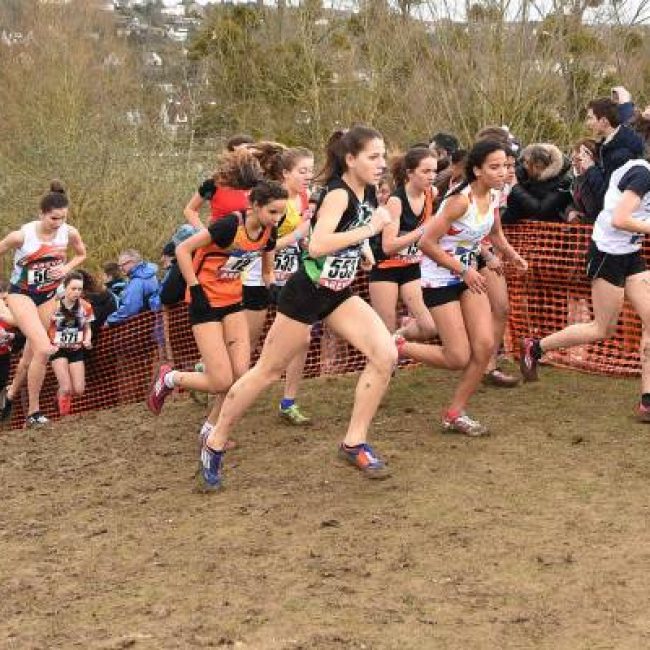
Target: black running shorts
256, 298
397, 274
305, 302
73, 356
436, 296
215, 315
615, 269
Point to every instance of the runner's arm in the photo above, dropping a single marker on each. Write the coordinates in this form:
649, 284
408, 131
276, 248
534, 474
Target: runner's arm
455, 207
325, 241
391, 242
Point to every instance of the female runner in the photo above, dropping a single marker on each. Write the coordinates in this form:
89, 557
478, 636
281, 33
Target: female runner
39, 268
320, 290
213, 276
397, 271
617, 270
453, 288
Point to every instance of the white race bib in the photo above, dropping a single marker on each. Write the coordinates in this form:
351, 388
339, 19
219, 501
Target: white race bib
287, 262
411, 254
339, 271
68, 337
235, 265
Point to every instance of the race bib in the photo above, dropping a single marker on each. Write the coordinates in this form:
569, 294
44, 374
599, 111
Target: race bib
411, 254
37, 277
339, 271
69, 337
467, 258
287, 262
235, 265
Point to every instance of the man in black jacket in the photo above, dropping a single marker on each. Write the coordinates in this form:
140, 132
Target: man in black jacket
542, 190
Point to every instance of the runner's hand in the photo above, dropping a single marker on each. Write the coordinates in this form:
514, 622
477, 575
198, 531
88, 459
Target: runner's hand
380, 219
475, 281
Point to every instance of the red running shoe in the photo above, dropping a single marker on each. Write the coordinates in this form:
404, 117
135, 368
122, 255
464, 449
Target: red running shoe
159, 391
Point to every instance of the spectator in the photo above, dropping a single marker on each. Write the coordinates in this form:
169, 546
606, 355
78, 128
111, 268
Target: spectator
443, 145
541, 187
139, 293
618, 144
100, 298
641, 125
114, 280
587, 183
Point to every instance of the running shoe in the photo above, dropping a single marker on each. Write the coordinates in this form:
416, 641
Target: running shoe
36, 421
364, 458
500, 379
462, 423
64, 403
208, 477
293, 415
642, 413
528, 360
159, 391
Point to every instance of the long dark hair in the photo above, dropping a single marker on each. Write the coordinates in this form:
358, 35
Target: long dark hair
340, 144
402, 164
476, 157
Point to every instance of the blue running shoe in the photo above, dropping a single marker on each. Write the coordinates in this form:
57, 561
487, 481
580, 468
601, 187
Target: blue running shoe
209, 474
364, 458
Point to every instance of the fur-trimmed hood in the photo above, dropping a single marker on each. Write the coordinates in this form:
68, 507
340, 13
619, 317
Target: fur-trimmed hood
559, 164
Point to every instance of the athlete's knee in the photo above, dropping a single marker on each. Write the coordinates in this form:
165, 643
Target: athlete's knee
384, 358
601, 330
219, 382
482, 348
457, 357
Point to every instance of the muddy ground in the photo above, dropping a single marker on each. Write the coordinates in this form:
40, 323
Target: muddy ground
537, 537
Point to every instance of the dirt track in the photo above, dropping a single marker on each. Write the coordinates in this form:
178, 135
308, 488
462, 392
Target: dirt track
534, 538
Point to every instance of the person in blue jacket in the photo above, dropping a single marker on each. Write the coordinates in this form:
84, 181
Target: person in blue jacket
142, 290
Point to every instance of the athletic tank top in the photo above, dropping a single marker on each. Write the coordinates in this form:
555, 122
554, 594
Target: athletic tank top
337, 270
6, 337
608, 238
219, 270
287, 260
462, 240
66, 326
33, 259
408, 222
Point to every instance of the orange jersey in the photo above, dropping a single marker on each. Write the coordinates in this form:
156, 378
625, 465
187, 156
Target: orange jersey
66, 328
219, 266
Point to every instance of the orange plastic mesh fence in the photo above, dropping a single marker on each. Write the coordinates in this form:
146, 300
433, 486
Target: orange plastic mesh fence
552, 294
555, 292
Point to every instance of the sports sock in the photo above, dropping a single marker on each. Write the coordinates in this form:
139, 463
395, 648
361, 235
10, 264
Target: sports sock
645, 400
206, 429
286, 403
169, 379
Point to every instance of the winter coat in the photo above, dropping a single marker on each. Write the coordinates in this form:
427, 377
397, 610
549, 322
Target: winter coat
544, 198
143, 284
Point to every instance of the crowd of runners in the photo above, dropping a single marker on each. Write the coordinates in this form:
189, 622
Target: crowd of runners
425, 224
